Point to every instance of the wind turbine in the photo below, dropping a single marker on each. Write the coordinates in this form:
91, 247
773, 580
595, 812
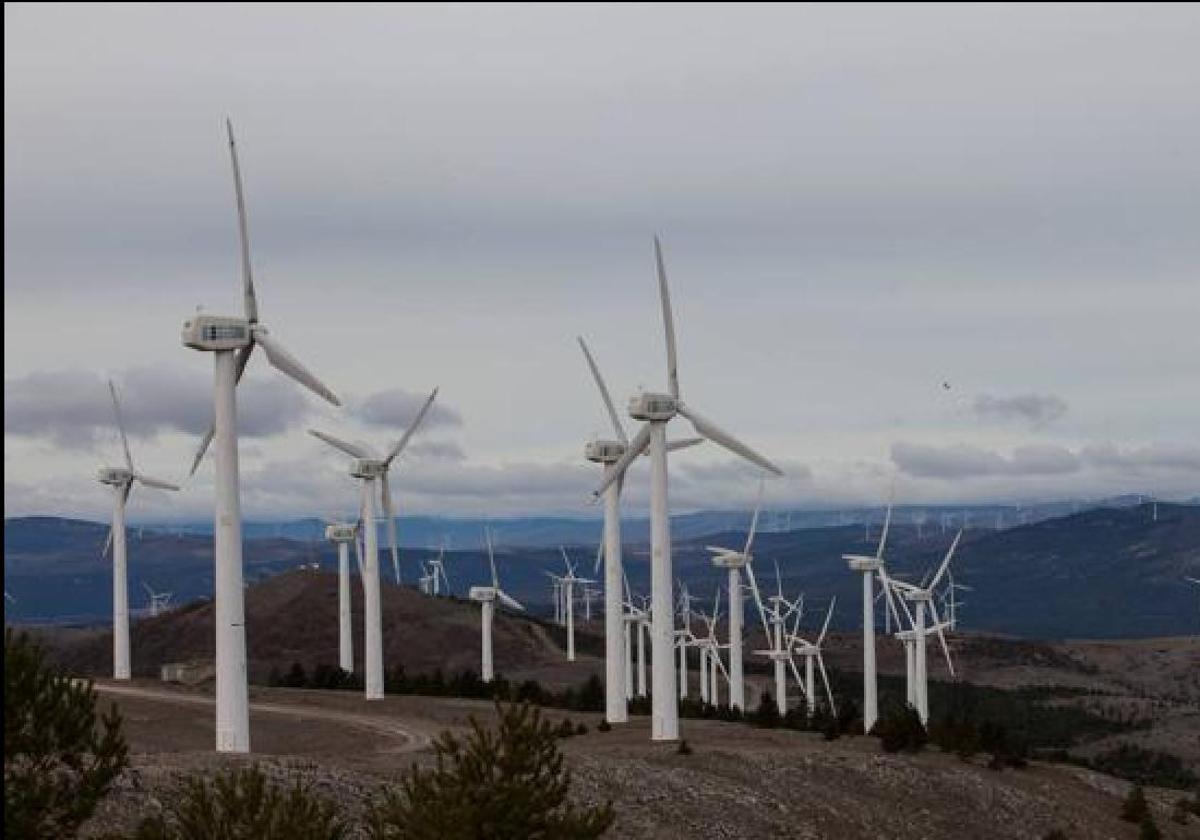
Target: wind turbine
342, 534
232, 340
711, 666
437, 573
923, 598
121, 480
657, 410
869, 566
567, 583
608, 453
159, 601
727, 558
369, 467
487, 597
811, 651
774, 626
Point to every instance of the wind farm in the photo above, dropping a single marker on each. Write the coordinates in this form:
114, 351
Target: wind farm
876, 532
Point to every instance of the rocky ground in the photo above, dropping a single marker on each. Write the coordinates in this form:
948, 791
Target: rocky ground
738, 781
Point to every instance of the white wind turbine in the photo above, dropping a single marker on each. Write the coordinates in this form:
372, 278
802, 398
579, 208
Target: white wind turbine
567, 583
684, 637
121, 480
734, 562
869, 566
923, 599
369, 467
657, 410
343, 534
608, 453
636, 619
711, 666
811, 651
774, 621
159, 601
232, 340
487, 597
437, 573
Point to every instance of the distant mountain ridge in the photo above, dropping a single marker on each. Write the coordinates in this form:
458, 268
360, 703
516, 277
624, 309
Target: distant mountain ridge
1111, 572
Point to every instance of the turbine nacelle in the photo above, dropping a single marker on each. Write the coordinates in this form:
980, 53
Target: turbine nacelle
482, 593
216, 332
341, 533
730, 559
368, 468
918, 595
650, 406
860, 563
115, 476
604, 451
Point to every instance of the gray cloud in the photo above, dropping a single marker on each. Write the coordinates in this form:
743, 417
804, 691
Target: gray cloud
395, 408
963, 461
1035, 409
72, 408
1143, 459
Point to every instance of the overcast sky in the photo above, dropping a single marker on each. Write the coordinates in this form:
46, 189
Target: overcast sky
857, 204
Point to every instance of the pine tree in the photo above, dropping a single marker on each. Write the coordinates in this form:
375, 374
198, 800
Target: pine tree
1135, 808
506, 783
58, 764
243, 804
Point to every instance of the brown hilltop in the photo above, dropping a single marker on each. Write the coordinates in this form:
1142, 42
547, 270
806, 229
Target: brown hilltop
292, 617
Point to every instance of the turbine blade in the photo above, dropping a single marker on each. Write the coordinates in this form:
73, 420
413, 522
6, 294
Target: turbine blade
391, 524
108, 541
762, 613
508, 600
120, 425
243, 359
887, 522
353, 450
288, 364
828, 615
754, 520
668, 320
608, 403
632, 451
946, 563
825, 679
156, 482
599, 558
250, 301
937, 622
412, 428
722, 438
492, 560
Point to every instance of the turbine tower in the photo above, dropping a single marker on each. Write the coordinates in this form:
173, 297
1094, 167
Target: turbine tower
232, 340
608, 453
121, 480
869, 566
657, 410
487, 597
369, 467
734, 562
342, 534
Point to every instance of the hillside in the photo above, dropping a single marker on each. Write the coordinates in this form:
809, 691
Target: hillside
292, 617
